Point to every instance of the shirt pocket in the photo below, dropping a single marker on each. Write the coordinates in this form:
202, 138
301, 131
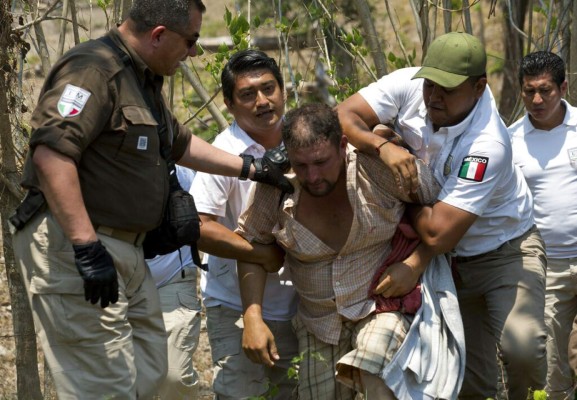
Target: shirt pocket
140, 142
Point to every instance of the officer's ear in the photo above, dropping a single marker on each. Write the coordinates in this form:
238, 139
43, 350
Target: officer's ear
157, 34
479, 87
563, 88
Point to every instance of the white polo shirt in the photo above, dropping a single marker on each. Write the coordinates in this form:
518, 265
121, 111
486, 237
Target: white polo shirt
226, 197
548, 160
471, 160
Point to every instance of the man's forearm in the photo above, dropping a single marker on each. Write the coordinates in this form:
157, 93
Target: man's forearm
218, 240
440, 226
420, 258
202, 156
252, 280
60, 185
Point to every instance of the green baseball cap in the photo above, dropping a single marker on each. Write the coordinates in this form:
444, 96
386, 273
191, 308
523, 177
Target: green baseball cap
452, 58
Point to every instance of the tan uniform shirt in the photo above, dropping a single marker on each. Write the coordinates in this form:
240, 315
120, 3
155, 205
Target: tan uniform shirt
92, 109
331, 285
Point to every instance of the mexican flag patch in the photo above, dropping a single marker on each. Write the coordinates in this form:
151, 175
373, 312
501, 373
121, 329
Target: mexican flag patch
473, 168
72, 101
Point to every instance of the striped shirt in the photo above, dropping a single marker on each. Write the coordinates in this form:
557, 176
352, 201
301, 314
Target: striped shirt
333, 286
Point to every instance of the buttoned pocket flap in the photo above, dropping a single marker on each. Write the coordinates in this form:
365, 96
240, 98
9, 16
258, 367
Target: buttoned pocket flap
137, 115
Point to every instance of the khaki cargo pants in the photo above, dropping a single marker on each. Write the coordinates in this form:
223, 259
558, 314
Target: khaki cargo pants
93, 353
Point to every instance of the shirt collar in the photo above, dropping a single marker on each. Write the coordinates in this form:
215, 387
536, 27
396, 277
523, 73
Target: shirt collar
455, 130
243, 139
570, 118
143, 72
570, 114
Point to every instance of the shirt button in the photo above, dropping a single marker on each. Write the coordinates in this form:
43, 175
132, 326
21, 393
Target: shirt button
337, 283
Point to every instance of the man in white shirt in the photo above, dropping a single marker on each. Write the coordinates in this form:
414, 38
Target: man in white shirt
483, 214
254, 94
175, 276
545, 148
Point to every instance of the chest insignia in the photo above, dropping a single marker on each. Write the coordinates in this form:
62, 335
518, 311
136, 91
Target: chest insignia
447, 166
572, 156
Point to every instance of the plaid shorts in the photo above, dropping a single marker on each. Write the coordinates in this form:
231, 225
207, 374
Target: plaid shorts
368, 344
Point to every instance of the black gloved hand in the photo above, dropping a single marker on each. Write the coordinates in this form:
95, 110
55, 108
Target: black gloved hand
270, 169
97, 269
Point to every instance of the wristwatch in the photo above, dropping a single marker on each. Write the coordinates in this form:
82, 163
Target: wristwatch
247, 160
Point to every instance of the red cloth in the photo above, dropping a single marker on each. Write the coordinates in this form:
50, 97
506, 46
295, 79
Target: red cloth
404, 241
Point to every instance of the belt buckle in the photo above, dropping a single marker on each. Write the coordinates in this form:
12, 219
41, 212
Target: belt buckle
133, 238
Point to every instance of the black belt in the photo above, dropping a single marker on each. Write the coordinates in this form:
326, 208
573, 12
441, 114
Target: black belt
467, 259
134, 238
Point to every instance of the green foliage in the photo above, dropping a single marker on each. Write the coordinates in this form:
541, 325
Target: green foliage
271, 392
239, 31
538, 395
104, 5
533, 395
292, 373
543, 10
398, 62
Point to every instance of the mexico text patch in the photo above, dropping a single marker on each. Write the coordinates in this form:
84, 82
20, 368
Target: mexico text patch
473, 168
72, 101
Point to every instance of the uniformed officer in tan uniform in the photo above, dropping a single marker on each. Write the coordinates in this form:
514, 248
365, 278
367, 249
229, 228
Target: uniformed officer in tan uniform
95, 156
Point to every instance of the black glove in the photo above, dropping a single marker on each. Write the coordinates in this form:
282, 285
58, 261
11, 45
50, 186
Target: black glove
270, 169
97, 269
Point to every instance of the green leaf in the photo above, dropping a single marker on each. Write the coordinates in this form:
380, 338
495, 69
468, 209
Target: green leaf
256, 21
298, 78
227, 16
222, 48
540, 395
243, 24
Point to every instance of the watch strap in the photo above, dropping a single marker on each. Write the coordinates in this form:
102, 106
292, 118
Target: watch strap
247, 160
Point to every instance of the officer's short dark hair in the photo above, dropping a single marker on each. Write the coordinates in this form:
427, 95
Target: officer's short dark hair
174, 14
246, 61
541, 62
310, 124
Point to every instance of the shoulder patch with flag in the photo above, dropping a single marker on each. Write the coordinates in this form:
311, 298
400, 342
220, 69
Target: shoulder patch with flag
72, 101
473, 168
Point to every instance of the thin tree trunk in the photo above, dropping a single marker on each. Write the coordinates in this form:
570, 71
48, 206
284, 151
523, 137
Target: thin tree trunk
63, 24
513, 44
41, 46
467, 15
74, 22
572, 62
420, 10
481, 19
447, 17
203, 94
125, 8
28, 380
372, 37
